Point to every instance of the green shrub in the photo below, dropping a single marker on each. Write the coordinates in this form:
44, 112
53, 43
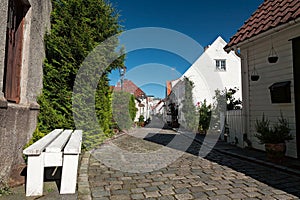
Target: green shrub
279, 133
77, 27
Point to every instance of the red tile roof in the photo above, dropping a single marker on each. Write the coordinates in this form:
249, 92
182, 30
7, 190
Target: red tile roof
270, 14
130, 87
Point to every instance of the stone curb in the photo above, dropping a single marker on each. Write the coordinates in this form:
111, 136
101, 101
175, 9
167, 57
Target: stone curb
84, 192
262, 162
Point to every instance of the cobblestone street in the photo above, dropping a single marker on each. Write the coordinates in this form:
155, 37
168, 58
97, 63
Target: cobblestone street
114, 173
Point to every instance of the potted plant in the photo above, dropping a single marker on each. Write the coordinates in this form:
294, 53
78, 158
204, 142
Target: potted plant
274, 137
141, 121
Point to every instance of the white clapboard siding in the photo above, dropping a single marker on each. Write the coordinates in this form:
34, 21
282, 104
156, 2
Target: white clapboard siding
259, 95
38, 147
58, 144
74, 144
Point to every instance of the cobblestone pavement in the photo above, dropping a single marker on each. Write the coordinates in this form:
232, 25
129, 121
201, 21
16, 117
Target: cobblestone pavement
113, 174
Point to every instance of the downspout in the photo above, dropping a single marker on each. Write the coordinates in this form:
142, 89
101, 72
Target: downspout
245, 96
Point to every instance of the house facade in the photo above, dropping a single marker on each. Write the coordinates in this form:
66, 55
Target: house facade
214, 69
272, 31
23, 26
142, 102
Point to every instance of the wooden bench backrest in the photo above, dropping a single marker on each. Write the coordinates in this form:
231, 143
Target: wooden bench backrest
38, 147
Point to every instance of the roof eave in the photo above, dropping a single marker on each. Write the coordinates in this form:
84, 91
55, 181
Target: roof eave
281, 27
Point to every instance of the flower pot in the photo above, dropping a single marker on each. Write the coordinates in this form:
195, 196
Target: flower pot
275, 152
273, 59
254, 77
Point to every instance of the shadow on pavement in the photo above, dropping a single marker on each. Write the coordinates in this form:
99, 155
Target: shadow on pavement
289, 183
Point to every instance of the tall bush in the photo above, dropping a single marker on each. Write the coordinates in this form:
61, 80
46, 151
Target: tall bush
191, 118
77, 27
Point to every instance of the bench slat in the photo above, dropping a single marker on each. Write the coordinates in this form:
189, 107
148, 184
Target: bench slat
38, 147
58, 144
74, 144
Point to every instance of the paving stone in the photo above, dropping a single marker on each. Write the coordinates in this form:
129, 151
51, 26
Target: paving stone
200, 195
138, 190
217, 176
237, 196
182, 190
151, 194
120, 197
167, 192
252, 194
120, 192
151, 189
184, 196
137, 196
166, 198
220, 197
221, 192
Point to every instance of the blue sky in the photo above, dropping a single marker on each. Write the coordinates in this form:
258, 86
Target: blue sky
203, 21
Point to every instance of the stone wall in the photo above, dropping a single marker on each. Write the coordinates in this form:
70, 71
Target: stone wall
16, 126
18, 121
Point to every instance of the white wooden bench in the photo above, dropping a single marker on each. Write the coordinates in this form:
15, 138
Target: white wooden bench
59, 148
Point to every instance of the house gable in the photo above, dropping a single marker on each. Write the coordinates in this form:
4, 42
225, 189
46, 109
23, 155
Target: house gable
207, 77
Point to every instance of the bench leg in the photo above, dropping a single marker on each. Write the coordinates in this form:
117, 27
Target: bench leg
35, 175
69, 174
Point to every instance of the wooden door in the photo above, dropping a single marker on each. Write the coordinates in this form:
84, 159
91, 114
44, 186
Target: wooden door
14, 45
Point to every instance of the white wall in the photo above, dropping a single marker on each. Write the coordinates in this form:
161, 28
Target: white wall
207, 78
255, 53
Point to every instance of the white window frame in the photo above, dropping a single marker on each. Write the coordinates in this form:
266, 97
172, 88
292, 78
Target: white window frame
220, 64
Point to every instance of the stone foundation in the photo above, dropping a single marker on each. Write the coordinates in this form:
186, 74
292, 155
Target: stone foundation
17, 124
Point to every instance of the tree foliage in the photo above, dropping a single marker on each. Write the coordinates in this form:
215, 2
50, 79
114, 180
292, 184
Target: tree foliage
77, 27
132, 109
204, 116
121, 109
191, 118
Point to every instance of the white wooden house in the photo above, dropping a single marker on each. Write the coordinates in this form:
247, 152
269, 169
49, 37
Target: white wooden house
214, 69
274, 24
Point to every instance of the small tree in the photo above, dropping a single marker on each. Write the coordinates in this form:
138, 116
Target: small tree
121, 109
204, 116
132, 109
188, 108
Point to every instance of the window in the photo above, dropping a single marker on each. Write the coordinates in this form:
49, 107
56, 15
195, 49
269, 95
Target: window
221, 65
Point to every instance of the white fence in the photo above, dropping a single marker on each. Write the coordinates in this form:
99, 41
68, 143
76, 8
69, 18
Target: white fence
234, 122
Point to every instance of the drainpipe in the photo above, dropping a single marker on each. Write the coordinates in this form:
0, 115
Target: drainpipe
245, 95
